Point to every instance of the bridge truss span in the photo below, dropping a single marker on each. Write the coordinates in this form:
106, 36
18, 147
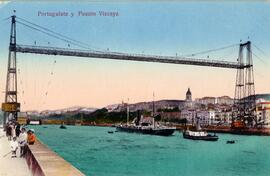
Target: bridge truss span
125, 56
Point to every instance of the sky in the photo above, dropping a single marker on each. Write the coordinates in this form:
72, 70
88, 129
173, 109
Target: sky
160, 28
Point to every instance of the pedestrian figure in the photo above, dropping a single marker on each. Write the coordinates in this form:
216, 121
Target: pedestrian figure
31, 138
18, 130
14, 147
8, 132
13, 132
22, 142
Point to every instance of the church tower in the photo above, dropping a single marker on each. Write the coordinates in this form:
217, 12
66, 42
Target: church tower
188, 95
188, 101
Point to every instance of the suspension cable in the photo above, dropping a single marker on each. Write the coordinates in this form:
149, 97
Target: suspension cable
259, 49
48, 84
58, 34
54, 36
212, 50
260, 59
252, 52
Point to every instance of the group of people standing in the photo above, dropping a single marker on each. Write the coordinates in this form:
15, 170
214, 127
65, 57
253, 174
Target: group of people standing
19, 138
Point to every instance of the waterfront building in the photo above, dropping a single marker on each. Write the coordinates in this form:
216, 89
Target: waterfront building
223, 118
225, 100
206, 117
206, 100
263, 113
167, 116
188, 114
263, 110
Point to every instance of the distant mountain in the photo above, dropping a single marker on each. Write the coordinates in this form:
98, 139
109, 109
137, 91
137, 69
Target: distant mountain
65, 111
159, 104
148, 106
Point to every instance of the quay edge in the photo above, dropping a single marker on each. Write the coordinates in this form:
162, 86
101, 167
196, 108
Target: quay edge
42, 161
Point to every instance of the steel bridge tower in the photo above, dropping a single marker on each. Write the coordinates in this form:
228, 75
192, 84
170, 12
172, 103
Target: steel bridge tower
244, 100
11, 107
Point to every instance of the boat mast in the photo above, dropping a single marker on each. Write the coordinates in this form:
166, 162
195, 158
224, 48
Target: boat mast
198, 126
154, 109
127, 112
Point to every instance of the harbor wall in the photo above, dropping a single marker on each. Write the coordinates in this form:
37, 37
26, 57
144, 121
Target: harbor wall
42, 161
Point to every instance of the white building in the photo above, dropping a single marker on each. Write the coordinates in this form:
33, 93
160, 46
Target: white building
263, 113
188, 114
206, 117
206, 100
225, 100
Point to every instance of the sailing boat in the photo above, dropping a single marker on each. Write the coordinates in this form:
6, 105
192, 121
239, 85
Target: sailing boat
199, 134
143, 127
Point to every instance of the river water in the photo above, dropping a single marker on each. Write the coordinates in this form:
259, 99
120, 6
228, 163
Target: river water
96, 152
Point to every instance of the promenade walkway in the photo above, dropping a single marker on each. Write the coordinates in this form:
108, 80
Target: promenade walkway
11, 166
